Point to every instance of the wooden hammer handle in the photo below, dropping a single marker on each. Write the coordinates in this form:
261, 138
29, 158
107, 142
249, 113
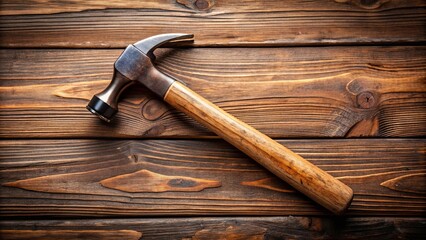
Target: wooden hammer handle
284, 163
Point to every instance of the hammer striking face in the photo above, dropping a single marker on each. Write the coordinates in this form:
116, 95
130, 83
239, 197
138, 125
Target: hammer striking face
135, 65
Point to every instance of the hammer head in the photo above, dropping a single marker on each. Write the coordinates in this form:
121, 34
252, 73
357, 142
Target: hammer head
135, 64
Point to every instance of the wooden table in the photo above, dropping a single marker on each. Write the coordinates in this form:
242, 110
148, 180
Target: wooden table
342, 83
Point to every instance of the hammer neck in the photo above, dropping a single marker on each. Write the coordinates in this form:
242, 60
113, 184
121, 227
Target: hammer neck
156, 81
137, 66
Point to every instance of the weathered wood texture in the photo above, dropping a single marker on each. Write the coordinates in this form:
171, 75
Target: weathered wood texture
69, 234
209, 177
237, 228
283, 92
301, 92
299, 173
100, 24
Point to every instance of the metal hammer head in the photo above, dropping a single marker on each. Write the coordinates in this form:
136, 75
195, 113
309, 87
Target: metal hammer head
134, 65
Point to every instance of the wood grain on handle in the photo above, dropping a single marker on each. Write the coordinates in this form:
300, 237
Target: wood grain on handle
284, 163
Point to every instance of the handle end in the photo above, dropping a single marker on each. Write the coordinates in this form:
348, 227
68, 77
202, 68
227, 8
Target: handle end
101, 109
345, 207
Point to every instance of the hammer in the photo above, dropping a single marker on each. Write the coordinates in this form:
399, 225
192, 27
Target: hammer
135, 65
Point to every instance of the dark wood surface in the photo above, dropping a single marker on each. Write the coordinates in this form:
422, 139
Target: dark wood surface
104, 24
99, 178
288, 166
341, 82
283, 92
240, 228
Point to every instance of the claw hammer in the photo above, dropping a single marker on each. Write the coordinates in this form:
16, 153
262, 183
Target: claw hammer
135, 65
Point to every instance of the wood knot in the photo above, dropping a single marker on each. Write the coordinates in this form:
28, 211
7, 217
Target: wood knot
153, 109
366, 4
203, 5
199, 5
147, 181
412, 183
180, 182
365, 100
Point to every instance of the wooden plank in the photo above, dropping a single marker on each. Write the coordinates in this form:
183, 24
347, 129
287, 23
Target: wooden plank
204, 177
70, 234
221, 228
100, 24
283, 92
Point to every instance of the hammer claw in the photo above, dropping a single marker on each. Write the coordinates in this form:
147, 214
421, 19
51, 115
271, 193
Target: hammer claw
148, 45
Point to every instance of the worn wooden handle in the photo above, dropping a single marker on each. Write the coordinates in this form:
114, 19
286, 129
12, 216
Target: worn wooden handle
287, 165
